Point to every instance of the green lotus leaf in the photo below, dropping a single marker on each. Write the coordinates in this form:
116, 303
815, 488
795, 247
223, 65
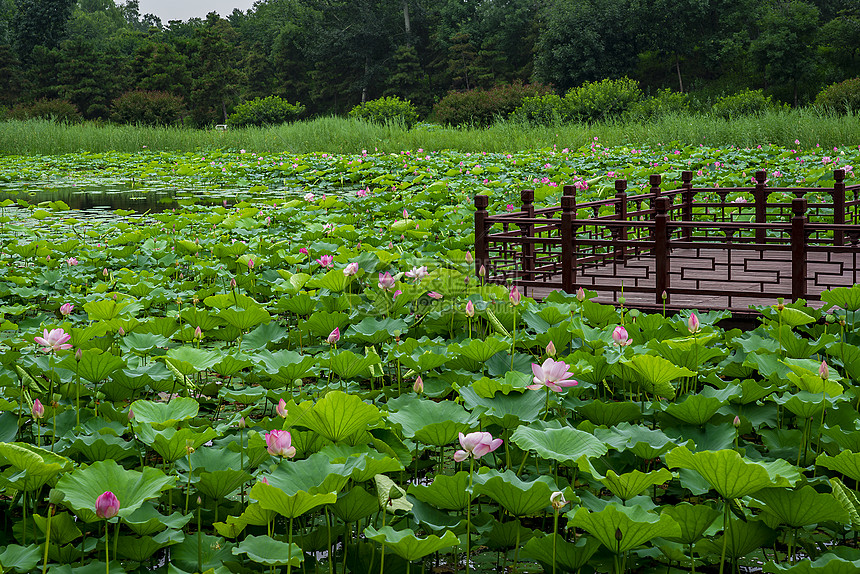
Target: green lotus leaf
511, 534
200, 317
804, 404
244, 319
338, 416
448, 492
635, 526
95, 365
802, 507
301, 304
146, 520
106, 309
825, 564
141, 549
347, 365
695, 409
743, 539
630, 484
424, 359
334, 280
220, 483
479, 350
267, 551
156, 375
610, 413
694, 520
83, 486
368, 462
144, 343
287, 365
405, 544
63, 527
372, 331
850, 357
188, 360
794, 317
322, 323
172, 444
229, 365
232, 299
37, 466
390, 496
313, 474
643, 442
210, 552
847, 463
103, 447
562, 444
289, 505
507, 409
355, 504
847, 499
690, 352
20, 558
519, 497
655, 374
569, 556
265, 335
847, 298
163, 415
438, 422
731, 475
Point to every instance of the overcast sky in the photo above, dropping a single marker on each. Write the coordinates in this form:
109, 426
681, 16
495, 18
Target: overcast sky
184, 9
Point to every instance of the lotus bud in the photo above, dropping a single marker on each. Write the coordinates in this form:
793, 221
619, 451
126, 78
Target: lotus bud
233, 283
38, 409
418, 387
482, 271
264, 480
121, 332
242, 423
693, 323
470, 308
550, 349
620, 336
282, 408
198, 332
469, 258
334, 336
107, 505
515, 296
78, 354
618, 534
66, 309
737, 421
580, 294
664, 295
250, 264
105, 272
130, 414
824, 371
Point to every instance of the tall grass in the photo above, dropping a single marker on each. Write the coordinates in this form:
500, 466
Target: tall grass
344, 135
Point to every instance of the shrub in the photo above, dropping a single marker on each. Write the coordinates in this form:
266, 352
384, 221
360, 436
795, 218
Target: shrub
545, 110
148, 107
745, 103
590, 102
665, 103
55, 110
482, 107
843, 97
384, 110
265, 112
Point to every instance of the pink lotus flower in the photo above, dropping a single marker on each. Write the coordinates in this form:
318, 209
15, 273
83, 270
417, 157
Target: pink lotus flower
303, 250
350, 269
66, 309
38, 409
198, 332
309, 197
280, 443
693, 323
282, 408
107, 505
417, 273
620, 336
334, 336
434, 295
476, 445
325, 260
54, 340
72, 261
386, 281
552, 374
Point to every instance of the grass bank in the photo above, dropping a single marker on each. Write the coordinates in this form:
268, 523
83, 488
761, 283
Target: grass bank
342, 135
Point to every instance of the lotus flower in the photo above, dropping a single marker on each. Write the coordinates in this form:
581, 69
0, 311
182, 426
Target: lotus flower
38, 409
552, 374
434, 295
476, 445
325, 260
72, 261
557, 500
282, 408
250, 264
280, 443
54, 340
334, 336
66, 309
107, 505
620, 336
417, 273
386, 281
351, 269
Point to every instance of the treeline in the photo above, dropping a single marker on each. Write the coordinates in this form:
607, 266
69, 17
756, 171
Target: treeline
100, 60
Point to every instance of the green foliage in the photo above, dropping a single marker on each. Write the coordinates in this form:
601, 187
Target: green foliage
268, 111
482, 107
56, 110
842, 97
390, 109
745, 103
589, 103
147, 108
665, 103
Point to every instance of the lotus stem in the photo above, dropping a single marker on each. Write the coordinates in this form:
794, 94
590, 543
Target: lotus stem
517, 550
554, 538
47, 538
107, 543
328, 533
725, 534
469, 515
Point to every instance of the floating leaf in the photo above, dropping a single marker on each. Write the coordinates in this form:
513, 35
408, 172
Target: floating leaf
569, 556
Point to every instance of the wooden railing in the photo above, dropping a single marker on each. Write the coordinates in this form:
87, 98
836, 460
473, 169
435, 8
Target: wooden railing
683, 241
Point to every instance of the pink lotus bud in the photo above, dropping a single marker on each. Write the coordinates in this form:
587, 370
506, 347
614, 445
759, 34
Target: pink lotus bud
580, 294
121, 332
66, 309
470, 308
242, 423
250, 264
279, 443
233, 283
107, 505
130, 414
418, 387
334, 336
198, 332
469, 258
282, 408
78, 354
482, 271
550, 349
824, 371
105, 272
515, 296
737, 421
405, 214
38, 409
693, 323
620, 337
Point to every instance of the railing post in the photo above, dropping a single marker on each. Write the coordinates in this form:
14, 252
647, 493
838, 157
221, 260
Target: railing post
760, 195
568, 249
798, 248
527, 233
839, 205
621, 215
482, 241
687, 197
654, 180
569, 190
661, 248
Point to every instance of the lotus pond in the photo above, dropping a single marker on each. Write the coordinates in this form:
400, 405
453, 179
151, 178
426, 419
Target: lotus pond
295, 369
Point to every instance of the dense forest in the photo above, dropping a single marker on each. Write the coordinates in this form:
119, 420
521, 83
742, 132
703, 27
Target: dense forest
332, 54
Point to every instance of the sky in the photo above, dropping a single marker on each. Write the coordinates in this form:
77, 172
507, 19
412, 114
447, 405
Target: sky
184, 9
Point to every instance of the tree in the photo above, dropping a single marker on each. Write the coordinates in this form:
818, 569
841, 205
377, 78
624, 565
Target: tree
40, 23
10, 76
89, 77
215, 86
157, 66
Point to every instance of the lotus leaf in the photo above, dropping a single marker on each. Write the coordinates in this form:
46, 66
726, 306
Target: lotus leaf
146, 520
289, 505
846, 462
355, 504
338, 416
569, 556
36, 466
562, 444
405, 544
519, 497
163, 415
448, 492
630, 484
140, 549
267, 551
635, 525
172, 444
431, 422
694, 520
744, 538
802, 507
